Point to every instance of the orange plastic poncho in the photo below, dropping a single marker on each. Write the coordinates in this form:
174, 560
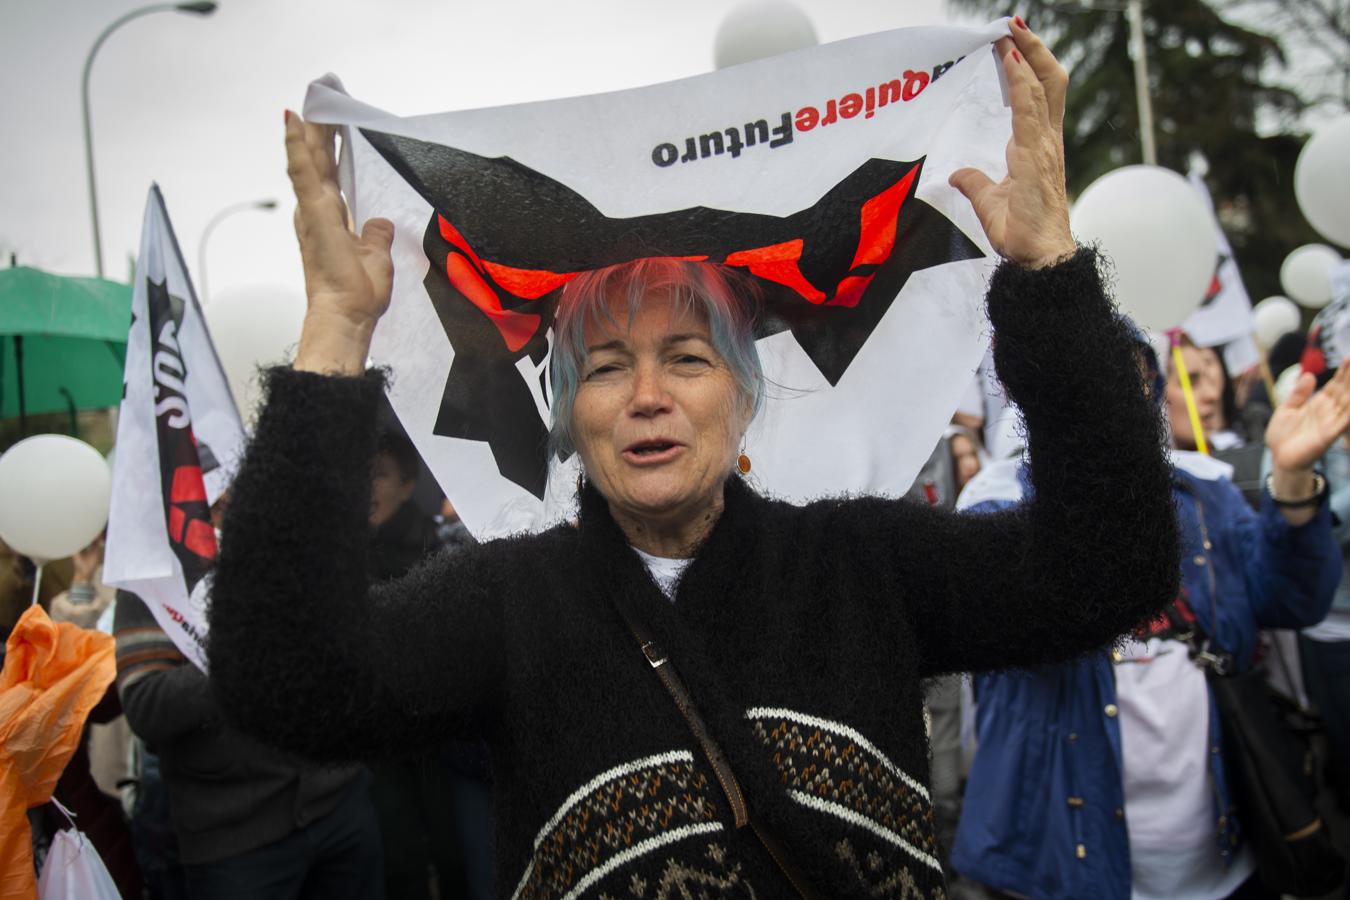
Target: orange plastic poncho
53, 676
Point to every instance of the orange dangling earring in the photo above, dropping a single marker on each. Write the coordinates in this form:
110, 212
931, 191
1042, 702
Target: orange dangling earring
743, 461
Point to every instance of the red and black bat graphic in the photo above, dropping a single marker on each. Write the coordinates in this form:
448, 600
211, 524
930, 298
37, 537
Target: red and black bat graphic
503, 240
186, 510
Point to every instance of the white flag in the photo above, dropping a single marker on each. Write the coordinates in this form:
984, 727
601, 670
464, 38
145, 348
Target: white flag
1225, 315
822, 173
179, 437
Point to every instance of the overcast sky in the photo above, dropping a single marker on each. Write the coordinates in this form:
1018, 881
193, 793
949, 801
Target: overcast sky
196, 103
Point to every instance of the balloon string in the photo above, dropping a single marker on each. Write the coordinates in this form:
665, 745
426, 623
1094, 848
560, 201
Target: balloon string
1190, 398
37, 584
1269, 378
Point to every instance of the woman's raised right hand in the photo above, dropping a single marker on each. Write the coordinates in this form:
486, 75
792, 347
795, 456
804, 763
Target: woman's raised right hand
348, 279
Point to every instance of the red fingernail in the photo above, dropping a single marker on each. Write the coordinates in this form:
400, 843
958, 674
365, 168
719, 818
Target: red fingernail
288, 117
1017, 57
1017, 20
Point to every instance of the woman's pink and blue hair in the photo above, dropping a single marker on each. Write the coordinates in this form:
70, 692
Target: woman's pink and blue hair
724, 297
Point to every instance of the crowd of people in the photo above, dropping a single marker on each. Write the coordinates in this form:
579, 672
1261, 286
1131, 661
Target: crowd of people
181, 805
1008, 684
1119, 757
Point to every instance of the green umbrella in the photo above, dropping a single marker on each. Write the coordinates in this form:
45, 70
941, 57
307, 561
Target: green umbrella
63, 341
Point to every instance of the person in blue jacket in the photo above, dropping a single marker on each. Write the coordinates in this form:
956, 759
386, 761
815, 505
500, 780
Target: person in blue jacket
1104, 778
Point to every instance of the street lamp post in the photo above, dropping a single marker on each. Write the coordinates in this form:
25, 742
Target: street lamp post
1134, 13
200, 9
219, 217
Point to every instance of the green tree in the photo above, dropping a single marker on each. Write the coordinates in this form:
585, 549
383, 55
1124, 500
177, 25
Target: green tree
1210, 85
1317, 35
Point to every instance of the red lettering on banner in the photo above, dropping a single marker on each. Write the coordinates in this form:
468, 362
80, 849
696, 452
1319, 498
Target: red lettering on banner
831, 113
914, 83
866, 100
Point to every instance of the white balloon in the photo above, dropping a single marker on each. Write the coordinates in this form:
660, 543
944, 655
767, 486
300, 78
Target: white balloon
1159, 235
760, 29
252, 327
1305, 274
1273, 318
54, 493
1322, 181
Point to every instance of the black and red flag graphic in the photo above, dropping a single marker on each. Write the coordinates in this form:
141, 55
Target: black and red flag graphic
504, 239
187, 511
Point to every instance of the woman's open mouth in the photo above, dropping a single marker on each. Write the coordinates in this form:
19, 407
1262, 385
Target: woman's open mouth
652, 452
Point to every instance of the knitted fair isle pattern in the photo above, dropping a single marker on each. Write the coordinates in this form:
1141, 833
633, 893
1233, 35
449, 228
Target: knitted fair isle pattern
720, 880
831, 768
617, 817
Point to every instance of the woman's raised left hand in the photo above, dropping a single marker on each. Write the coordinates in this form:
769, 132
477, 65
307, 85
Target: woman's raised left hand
1026, 215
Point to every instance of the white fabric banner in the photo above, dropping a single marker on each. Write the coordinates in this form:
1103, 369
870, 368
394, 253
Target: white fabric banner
1225, 315
179, 437
822, 173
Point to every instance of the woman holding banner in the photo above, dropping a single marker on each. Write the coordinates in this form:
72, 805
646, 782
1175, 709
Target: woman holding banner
694, 687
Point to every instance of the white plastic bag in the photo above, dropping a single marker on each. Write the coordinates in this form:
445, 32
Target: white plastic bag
73, 870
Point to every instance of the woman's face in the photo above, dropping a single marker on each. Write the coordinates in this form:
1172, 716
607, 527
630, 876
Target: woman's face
388, 490
658, 414
965, 460
1206, 372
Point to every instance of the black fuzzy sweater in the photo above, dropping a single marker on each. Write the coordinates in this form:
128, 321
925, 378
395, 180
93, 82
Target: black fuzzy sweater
802, 632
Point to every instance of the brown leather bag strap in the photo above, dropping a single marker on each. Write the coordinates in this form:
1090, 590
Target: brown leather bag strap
680, 694
665, 671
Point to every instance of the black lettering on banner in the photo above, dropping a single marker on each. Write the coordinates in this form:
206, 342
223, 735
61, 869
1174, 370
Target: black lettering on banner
665, 154
941, 68
732, 141
734, 144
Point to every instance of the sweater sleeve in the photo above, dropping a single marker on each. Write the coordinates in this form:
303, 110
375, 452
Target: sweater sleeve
303, 652
1292, 571
1095, 551
163, 695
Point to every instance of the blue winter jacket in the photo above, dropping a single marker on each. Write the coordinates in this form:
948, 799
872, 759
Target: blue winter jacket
1044, 808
